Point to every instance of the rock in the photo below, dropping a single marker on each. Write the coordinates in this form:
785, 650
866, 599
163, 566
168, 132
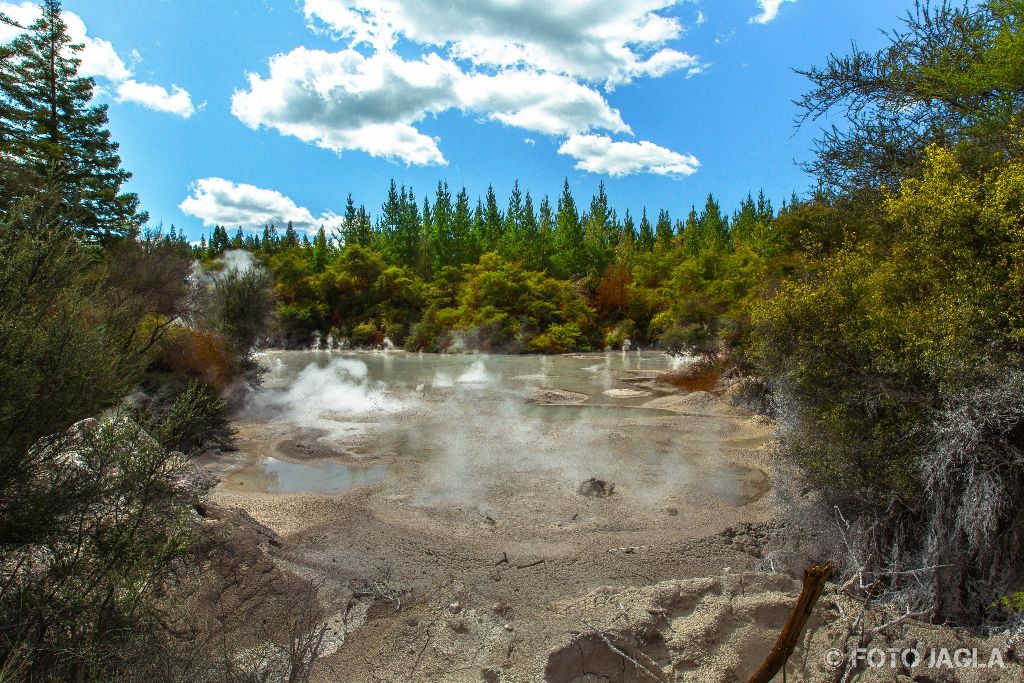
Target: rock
555, 397
455, 607
596, 488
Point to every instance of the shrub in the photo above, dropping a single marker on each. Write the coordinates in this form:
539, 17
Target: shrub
558, 339
242, 306
198, 354
366, 334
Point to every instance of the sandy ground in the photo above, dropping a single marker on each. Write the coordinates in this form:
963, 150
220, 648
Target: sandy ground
515, 584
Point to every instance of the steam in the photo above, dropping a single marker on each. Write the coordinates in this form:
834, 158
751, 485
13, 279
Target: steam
237, 259
470, 425
321, 396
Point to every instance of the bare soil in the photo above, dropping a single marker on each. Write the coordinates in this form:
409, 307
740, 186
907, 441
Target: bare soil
534, 581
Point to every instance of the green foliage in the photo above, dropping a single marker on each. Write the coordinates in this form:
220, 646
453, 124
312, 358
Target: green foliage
558, 339
54, 135
444, 277
93, 517
877, 338
1010, 603
196, 412
242, 306
68, 348
118, 521
951, 76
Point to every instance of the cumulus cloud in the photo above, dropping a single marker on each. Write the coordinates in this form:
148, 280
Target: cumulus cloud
601, 154
347, 101
541, 102
100, 60
769, 10
156, 97
535, 65
217, 201
595, 40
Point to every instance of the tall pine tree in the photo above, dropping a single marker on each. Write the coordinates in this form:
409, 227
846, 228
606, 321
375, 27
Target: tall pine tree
54, 135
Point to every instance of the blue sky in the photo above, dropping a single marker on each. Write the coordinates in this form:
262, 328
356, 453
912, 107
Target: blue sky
240, 112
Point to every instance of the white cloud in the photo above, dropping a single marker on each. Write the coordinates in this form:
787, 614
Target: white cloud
217, 201
100, 60
769, 10
530, 141
601, 154
347, 101
156, 97
595, 40
540, 102
24, 13
530, 64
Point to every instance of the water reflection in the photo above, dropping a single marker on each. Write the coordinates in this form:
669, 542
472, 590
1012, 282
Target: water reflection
271, 475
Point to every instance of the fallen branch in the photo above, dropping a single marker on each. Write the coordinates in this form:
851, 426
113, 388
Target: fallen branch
531, 564
814, 583
640, 667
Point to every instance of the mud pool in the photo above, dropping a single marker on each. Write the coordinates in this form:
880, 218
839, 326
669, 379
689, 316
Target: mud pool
327, 422
460, 484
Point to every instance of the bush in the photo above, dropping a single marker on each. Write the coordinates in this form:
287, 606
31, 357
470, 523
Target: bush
366, 334
558, 339
120, 517
242, 306
198, 354
616, 337
896, 372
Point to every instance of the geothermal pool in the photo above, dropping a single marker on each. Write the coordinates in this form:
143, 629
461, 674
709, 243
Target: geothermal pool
452, 429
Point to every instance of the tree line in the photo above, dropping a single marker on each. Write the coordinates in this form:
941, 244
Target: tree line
442, 243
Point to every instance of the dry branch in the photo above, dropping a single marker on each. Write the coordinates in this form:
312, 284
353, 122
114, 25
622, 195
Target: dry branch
814, 583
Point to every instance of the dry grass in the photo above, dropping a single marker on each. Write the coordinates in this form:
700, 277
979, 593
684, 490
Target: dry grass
200, 355
698, 377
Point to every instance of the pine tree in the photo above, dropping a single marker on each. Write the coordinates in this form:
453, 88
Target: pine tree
663, 232
512, 246
530, 237
291, 238
320, 251
627, 239
690, 235
348, 228
597, 231
493, 222
425, 248
569, 256
441, 234
713, 226
546, 227
646, 238
49, 130
765, 213
479, 229
390, 216
464, 245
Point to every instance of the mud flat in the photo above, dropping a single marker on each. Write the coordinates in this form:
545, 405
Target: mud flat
436, 503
